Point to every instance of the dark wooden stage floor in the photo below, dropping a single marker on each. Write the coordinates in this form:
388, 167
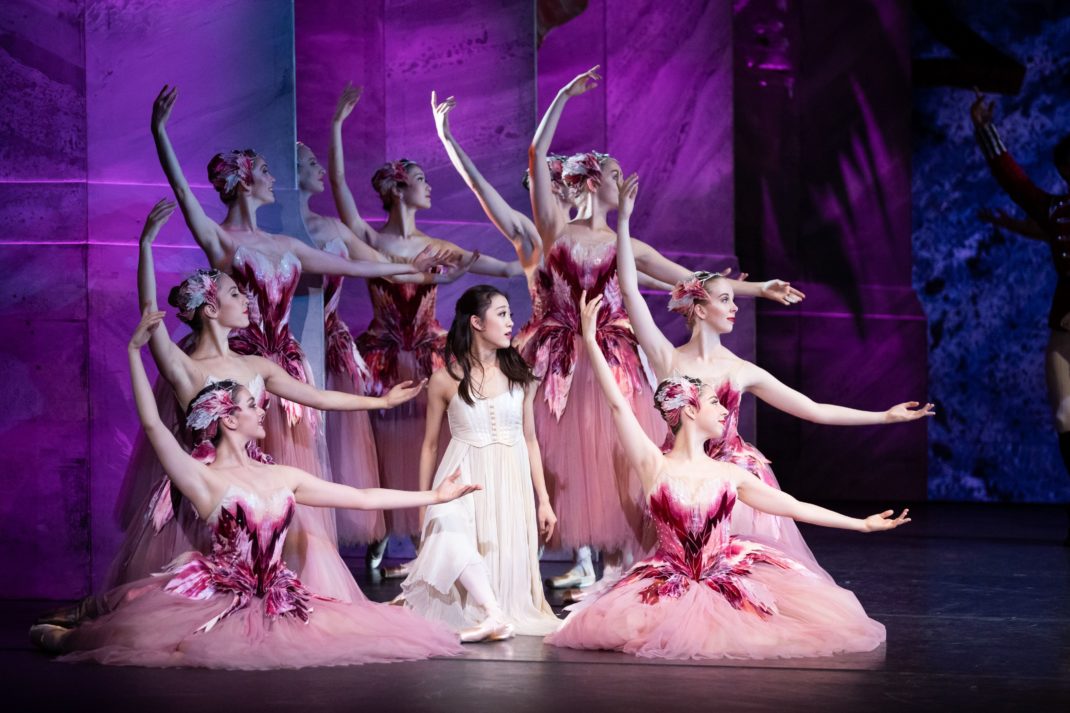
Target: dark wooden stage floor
976, 600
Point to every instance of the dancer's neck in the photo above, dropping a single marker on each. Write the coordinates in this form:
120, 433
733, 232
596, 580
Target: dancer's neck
402, 221
241, 215
213, 341
705, 342
689, 444
231, 452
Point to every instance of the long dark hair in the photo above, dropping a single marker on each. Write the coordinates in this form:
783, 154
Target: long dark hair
474, 303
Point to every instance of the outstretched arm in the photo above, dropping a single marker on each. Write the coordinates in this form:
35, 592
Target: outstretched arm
657, 348
187, 474
548, 219
310, 490
514, 225
280, 383
336, 168
642, 454
780, 396
205, 231
170, 360
760, 496
320, 262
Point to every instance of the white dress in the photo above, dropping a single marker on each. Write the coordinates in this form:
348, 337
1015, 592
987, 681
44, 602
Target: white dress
494, 528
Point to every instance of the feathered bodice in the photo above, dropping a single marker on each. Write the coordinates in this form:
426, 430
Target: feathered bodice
550, 342
248, 533
693, 519
403, 321
499, 419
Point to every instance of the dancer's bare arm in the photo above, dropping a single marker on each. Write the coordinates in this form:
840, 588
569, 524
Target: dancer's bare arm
208, 234
768, 388
336, 168
760, 496
279, 382
189, 475
514, 225
643, 455
545, 512
548, 219
310, 490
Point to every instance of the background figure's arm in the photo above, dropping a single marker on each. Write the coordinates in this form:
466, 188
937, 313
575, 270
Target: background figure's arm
515, 226
658, 349
319, 262
646, 282
310, 490
279, 382
187, 474
336, 167
753, 492
205, 231
1010, 176
780, 396
642, 454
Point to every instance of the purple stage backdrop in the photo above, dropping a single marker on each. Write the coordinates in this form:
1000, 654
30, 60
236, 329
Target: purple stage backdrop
824, 197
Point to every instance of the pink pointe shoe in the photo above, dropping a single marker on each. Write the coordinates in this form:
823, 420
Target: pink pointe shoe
490, 629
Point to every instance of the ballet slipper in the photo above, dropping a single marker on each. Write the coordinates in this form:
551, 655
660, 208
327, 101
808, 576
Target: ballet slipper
490, 629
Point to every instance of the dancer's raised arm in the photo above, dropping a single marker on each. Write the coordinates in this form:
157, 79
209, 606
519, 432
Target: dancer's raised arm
768, 388
344, 202
514, 225
641, 452
208, 234
657, 348
548, 220
189, 475
170, 360
760, 496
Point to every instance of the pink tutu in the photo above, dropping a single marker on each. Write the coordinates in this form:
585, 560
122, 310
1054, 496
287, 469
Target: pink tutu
354, 461
241, 608
709, 594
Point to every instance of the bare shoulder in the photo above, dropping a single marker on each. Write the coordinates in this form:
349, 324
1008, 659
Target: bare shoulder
443, 384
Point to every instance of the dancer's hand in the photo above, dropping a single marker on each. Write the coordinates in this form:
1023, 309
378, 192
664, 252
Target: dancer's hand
402, 392
885, 521
782, 292
433, 257
158, 216
589, 315
150, 320
161, 108
547, 521
442, 115
908, 411
449, 489
583, 83
627, 189
462, 266
347, 102
981, 112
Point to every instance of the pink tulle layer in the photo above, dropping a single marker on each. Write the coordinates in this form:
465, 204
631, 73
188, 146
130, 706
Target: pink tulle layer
354, 462
597, 497
813, 618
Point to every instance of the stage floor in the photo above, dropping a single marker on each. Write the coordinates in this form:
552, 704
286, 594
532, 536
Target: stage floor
976, 600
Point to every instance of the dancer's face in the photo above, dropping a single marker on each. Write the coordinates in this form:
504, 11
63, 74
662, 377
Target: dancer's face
310, 171
607, 191
711, 415
248, 420
263, 186
233, 311
719, 311
496, 324
418, 193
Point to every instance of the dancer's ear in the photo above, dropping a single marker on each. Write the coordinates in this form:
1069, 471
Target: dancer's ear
476, 323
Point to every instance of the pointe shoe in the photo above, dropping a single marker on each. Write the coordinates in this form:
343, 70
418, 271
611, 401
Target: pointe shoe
574, 595
575, 577
48, 637
373, 556
490, 629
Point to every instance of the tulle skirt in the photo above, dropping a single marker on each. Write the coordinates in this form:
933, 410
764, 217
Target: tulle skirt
354, 461
596, 495
151, 627
813, 617
494, 529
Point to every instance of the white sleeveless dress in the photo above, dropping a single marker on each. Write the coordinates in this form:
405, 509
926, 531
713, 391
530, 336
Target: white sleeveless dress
494, 528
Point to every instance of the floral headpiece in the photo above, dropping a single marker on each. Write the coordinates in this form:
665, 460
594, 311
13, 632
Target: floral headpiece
197, 290
214, 402
673, 394
392, 175
555, 162
577, 168
227, 170
687, 293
